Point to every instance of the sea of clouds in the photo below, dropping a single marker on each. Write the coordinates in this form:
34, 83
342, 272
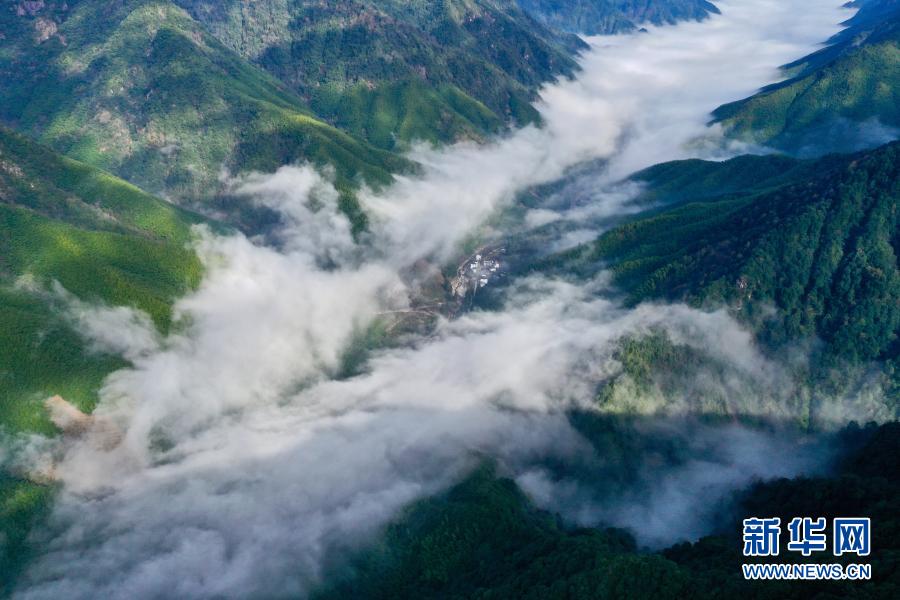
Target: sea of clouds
244, 464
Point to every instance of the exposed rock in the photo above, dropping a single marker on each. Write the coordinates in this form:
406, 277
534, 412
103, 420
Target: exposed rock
102, 433
11, 168
45, 29
30, 7
67, 417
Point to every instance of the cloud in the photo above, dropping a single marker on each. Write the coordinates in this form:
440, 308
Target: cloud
255, 500
119, 330
673, 491
308, 205
640, 99
841, 135
245, 464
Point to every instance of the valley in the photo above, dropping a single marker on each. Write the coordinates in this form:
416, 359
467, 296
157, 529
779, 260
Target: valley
438, 299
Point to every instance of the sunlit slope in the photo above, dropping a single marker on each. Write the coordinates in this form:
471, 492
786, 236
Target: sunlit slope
843, 98
822, 246
100, 238
106, 242
140, 89
395, 71
594, 17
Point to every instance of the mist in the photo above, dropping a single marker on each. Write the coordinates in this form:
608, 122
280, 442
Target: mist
245, 464
675, 487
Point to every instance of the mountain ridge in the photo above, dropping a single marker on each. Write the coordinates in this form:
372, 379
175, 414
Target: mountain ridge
596, 17
479, 62
816, 239
842, 98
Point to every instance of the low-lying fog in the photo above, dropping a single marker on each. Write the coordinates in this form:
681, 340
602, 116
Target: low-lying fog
243, 462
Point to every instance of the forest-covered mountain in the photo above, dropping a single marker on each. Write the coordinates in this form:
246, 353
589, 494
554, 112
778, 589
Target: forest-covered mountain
142, 90
104, 241
842, 98
166, 94
816, 239
395, 71
594, 17
485, 539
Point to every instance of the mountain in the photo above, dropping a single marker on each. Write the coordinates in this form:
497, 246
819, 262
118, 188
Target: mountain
485, 539
841, 98
140, 89
104, 241
167, 94
101, 239
398, 70
595, 17
816, 239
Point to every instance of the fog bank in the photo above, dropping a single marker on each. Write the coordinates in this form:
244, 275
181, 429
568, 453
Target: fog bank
244, 464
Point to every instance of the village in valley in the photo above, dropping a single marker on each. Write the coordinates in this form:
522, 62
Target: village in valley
478, 271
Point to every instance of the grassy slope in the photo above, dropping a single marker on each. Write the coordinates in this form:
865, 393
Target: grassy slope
483, 539
822, 246
837, 98
141, 90
394, 71
105, 241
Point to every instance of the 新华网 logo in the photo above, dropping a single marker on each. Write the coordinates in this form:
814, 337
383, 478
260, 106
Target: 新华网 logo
807, 536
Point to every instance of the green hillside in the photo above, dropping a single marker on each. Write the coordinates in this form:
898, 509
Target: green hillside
842, 98
398, 70
103, 240
678, 181
595, 17
138, 88
819, 240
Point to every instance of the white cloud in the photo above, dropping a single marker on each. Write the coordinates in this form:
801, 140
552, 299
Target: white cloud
666, 500
244, 463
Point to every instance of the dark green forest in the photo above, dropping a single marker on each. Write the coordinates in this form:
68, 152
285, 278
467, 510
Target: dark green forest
484, 539
818, 240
